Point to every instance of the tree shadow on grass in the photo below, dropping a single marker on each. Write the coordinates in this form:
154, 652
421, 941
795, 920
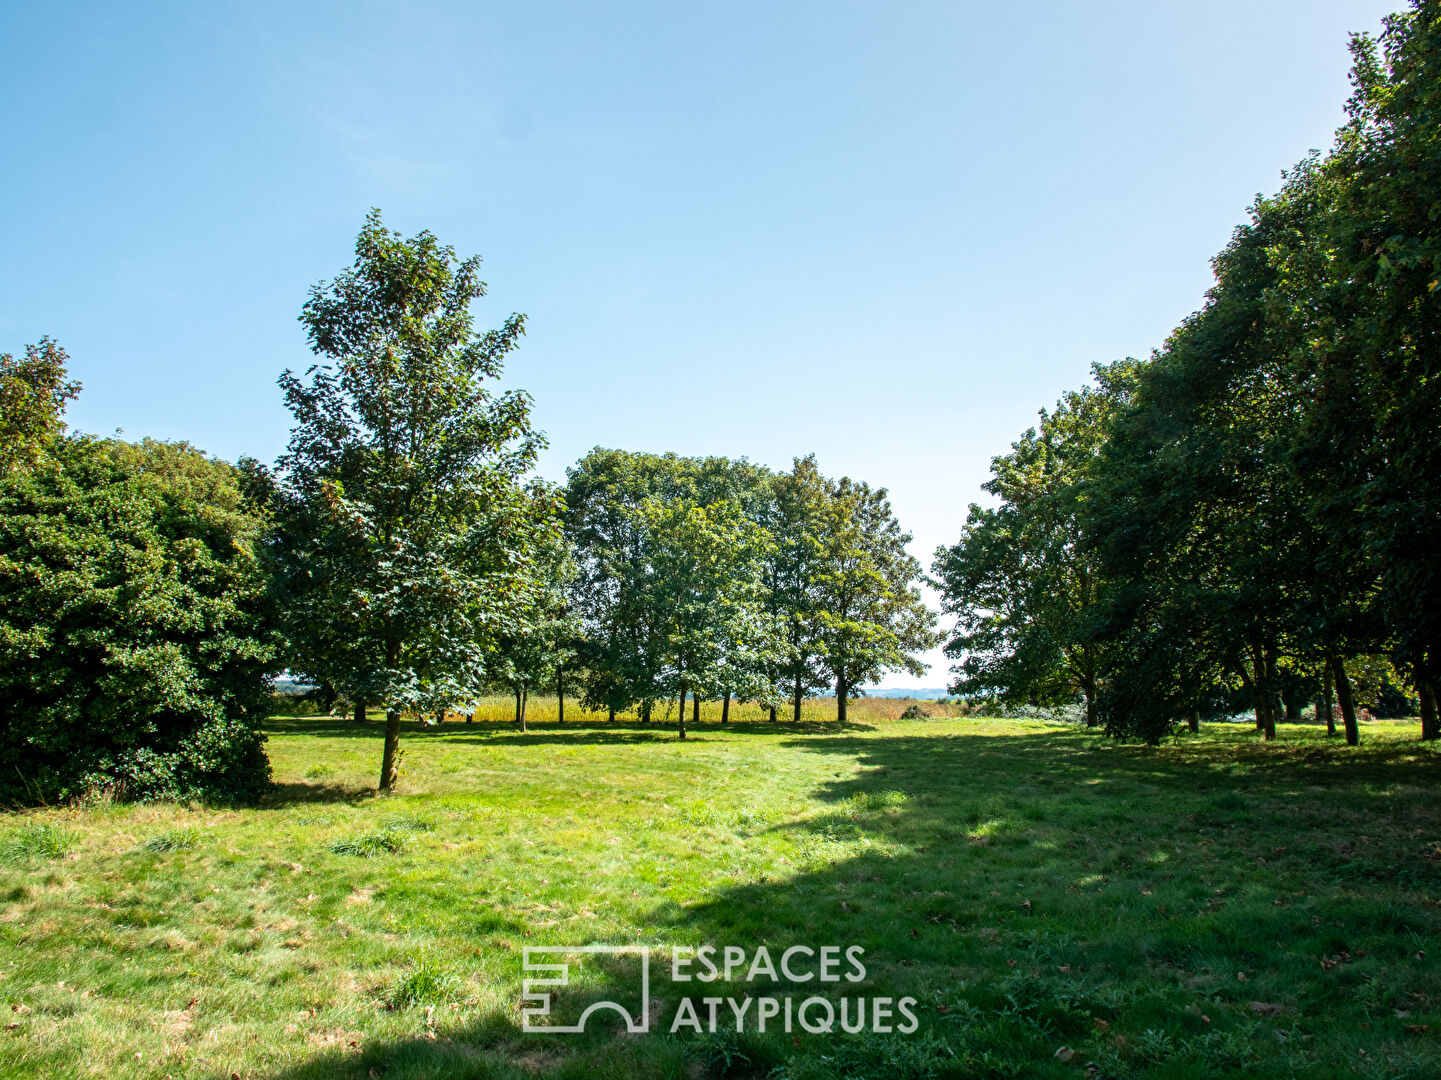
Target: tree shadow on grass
1023, 888
293, 793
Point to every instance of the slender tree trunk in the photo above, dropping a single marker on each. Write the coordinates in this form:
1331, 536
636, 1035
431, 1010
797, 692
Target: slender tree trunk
1275, 698
611, 718
1195, 722
1089, 689
773, 714
645, 712
1426, 689
843, 692
390, 756
1348, 703
726, 708
695, 708
524, 701
1327, 693
681, 717
390, 759
796, 715
360, 712
517, 705
560, 694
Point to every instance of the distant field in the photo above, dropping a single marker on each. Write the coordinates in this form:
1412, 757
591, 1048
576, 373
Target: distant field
1059, 906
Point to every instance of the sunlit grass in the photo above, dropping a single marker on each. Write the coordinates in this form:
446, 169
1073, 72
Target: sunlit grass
1033, 886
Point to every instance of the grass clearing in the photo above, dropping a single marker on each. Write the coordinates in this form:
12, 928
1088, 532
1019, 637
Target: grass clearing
1212, 907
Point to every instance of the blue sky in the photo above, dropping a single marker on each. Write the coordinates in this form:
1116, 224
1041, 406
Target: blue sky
885, 233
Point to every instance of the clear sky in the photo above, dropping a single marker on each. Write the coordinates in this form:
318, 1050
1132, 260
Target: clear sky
887, 233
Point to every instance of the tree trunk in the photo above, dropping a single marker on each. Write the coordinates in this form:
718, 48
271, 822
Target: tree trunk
1089, 689
1195, 722
611, 718
1276, 707
390, 756
843, 692
1260, 687
1327, 693
695, 708
796, 716
773, 714
517, 705
726, 708
645, 712
390, 759
1348, 703
524, 701
560, 694
1426, 689
681, 718
360, 712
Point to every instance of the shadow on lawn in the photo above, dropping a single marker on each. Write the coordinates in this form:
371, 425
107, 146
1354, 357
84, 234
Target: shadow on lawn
598, 731
984, 895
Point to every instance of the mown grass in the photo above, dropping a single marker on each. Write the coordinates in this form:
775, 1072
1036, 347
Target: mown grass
1213, 907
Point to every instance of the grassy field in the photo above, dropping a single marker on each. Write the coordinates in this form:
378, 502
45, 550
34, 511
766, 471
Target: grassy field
1058, 906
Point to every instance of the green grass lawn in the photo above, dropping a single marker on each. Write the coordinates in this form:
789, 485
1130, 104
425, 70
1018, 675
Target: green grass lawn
1059, 906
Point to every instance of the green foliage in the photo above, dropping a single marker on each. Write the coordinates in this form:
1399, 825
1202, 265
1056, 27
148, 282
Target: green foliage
406, 534
33, 392
1021, 584
135, 629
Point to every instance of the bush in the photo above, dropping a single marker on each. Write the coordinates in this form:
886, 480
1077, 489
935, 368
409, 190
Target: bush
135, 636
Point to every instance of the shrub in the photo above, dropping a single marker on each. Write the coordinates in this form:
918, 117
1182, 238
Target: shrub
134, 630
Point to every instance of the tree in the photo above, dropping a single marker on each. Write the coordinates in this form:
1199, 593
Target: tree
871, 615
1020, 582
707, 624
33, 393
795, 516
406, 531
545, 632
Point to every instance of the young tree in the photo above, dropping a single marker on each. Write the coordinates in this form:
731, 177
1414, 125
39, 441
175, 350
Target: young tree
406, 532
870, 611
33, 393
795, 516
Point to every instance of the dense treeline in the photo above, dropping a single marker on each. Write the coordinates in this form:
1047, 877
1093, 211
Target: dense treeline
399, 555
1253, 515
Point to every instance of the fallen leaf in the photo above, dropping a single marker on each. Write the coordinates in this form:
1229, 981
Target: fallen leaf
1065, 1053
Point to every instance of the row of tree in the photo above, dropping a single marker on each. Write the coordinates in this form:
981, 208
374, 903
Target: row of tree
401, 555
1254, 512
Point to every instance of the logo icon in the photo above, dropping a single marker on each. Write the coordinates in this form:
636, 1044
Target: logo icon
549, 961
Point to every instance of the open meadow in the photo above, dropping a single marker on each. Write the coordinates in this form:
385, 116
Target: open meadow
1059, 905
